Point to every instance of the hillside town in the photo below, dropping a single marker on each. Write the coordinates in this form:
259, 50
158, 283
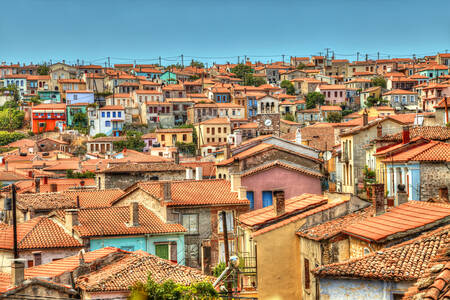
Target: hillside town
300, 178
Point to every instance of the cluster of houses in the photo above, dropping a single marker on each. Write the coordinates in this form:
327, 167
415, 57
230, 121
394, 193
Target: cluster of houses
361, 210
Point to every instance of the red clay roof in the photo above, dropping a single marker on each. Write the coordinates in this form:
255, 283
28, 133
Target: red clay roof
37, 233
265, 214
136, 267
113, 221
399, 221
403, 262
285, 165
433, 151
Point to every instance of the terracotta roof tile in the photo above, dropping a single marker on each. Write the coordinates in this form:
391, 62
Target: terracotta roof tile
433, 151
113, 221
37, 233
403, 262
285, 165
399, 221
300, 203
136, 267
94, 198
331, 228
143, 167
45, 201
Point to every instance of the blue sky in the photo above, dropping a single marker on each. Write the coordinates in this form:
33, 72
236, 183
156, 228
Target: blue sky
212, 30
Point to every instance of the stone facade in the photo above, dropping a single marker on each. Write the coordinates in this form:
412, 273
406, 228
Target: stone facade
124, 180
433, 176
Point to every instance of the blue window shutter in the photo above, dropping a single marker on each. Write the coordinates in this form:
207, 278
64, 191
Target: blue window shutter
251, 197
267, 198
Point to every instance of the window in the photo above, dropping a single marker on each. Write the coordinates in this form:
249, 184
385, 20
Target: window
127, 248
103, 114
107, 123
213, 130
224, 130
222, 249
190, 222
219, 130
162, 250
37, 257
207, 130
251, 197
366, 251
192, 254
114, 114
267, 198
396, 98
184, 137
75, 97
230, 221
163, 137
119, 114
307, 275
108, 114
411, 98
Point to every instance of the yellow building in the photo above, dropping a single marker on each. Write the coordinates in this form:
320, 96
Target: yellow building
169, 137
213, 131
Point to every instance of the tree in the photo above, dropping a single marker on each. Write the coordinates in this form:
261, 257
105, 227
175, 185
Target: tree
242, 70
249, 79
313, 99
11, 119
379, 81
289, 117
43, 69
301, 66
9, 137
374, 101
133, 141
197, 64
170, 290
286, 84
334, 117
99, 135
80, 120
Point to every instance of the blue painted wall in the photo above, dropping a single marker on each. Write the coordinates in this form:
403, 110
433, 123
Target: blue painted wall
361, 289
414, 179
144, 243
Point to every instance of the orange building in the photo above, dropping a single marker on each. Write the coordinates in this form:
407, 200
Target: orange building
48, 117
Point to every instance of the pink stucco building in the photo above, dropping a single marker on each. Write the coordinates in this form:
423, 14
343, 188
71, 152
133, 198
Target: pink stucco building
335, 94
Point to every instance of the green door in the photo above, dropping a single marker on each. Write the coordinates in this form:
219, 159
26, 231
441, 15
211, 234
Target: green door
162, 250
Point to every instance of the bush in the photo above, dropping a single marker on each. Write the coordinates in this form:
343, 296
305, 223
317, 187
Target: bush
99, 135
9, 137
79, 175
219, 269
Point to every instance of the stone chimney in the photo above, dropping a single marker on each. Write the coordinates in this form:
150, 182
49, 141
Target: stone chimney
53, 187
189, 174
227, 151
279, 203
17, 271
37, 185
242, 193
176, 157
378, 198
402, 196
235, 180
134, 214
379, 130
443, 193
365, 117
167, 191
405, 135
71, 218
198, 173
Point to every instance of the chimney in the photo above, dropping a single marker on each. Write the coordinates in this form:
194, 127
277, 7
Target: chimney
189, 174
242, 193
279, 203
78, 201
235, 180
402, 196
379, 130
37, 184
134, 214
365, 117
45, 180
167, 191
443, 193
30, 174
405, 135
227, 151
176, 157
17, 271
378, 198
82, 183
71, 218
198, 173
53, 187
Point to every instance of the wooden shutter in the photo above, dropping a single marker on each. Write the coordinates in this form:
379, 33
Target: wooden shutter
307, 274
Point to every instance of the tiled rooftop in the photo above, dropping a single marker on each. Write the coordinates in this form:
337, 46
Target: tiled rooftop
283, 164
400, 221
439, 133
136, 267
143, 167
403, 262
433, 151
37, 233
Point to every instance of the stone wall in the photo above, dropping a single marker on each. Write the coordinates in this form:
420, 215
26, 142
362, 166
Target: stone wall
432, 177
124, 180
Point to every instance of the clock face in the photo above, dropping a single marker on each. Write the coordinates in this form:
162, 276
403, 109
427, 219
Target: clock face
268, 122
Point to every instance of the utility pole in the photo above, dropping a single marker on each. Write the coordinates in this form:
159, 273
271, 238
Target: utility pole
378, 55
238, 59
14, 215
283, 58
109, 62
327, 49
357, 56
367, 55
182, 61
227, 250
159, 58
245, 59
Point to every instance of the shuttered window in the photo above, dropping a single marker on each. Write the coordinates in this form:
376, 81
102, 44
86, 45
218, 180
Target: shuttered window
307, 274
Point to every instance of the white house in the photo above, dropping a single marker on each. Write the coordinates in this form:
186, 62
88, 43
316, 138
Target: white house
79, 97
108, 120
